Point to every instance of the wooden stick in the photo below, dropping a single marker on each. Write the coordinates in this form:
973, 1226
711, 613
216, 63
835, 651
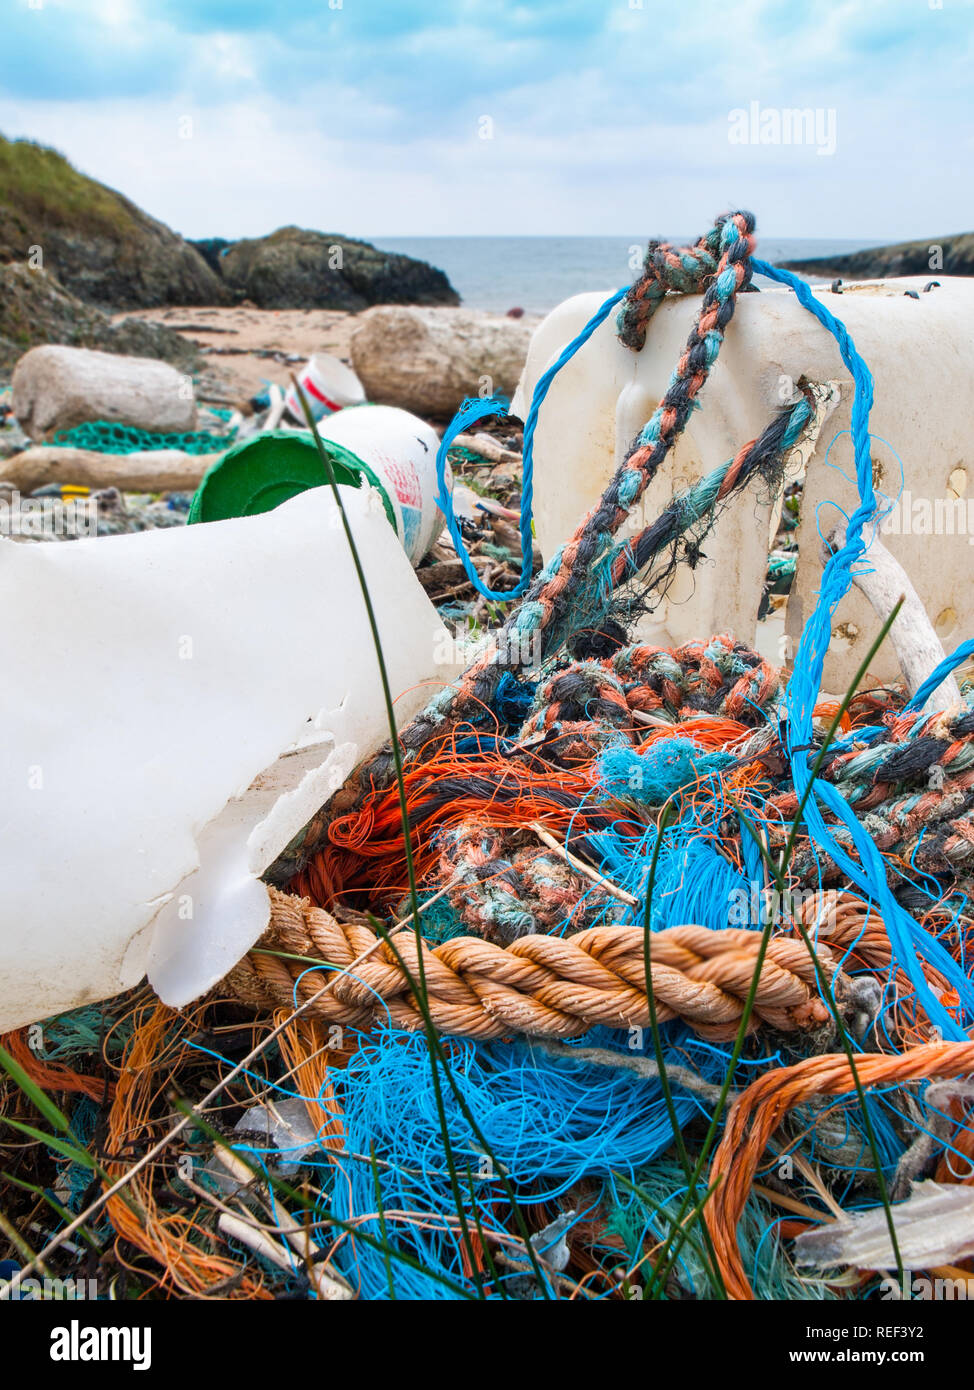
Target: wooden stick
486, 447
882, 579
580, 864
329, 1284
641, 717
150, 470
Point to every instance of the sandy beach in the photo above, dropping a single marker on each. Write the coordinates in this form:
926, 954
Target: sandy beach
244, 348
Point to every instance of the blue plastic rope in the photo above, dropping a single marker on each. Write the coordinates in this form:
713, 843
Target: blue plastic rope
950, 663
907, 937
477, 409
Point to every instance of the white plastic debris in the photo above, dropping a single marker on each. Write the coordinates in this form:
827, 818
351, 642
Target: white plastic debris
279, 1135
934, 1226
921, 354
175, 705
328, 385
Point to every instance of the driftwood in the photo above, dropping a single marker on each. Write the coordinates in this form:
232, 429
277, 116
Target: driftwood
153, 470
487, 447
882, 580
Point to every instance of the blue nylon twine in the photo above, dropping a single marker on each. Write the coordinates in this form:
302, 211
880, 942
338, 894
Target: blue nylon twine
909, 940
478, 409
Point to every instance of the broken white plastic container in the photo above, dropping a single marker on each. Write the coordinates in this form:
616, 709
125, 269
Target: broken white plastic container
919, 347
175, 705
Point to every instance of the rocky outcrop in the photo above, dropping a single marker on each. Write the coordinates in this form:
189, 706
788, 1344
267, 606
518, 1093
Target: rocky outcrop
211, 248
100, 246
906, 258
108, 252
35, 309
297, 269
429, 360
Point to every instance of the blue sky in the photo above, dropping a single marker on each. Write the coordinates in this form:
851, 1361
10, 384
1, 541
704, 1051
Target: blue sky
232, 117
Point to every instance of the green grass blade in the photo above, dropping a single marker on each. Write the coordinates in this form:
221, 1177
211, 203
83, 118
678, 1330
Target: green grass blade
37, 1097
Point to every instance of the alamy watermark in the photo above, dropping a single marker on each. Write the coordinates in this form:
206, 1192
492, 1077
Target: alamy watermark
921, 1286
925, 516
48, 1290
48, 518
519, 651
77, 1343
759, 907
783, 125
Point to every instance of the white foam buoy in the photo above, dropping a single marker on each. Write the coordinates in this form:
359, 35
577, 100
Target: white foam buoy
175, 706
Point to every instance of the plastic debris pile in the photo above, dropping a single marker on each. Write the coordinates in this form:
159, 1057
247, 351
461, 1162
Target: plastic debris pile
576, 783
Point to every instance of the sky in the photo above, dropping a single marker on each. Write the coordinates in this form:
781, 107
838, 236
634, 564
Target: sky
492, 117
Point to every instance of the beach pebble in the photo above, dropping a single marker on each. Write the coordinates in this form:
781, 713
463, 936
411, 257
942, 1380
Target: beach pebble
56, 388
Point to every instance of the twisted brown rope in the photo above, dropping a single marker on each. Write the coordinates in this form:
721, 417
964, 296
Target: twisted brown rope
559, 987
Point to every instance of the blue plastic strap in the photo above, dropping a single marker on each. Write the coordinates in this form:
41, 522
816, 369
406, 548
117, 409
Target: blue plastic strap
478, 409
940, 673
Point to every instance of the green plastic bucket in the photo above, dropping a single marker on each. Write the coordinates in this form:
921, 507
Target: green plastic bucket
261, 473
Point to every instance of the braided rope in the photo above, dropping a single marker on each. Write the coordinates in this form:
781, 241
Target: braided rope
581, 710
501, 893
846, 922
685, 270
758, 1110
912, 750
913, 793
540, 985
696, 507
558, 591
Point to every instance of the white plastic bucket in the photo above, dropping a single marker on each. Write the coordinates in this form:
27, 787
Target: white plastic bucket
328, 386
401, 449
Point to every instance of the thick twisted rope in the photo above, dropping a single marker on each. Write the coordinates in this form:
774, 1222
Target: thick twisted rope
927, 750
581, 710
540, 985
554, 594
682, 269
695, 509
912, 791
757, 1112
678, 533
719, 677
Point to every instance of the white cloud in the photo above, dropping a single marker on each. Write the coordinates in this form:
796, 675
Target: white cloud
596, 131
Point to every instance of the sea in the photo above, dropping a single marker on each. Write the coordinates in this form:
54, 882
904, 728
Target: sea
534, 273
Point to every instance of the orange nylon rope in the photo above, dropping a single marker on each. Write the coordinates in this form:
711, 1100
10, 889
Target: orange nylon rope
758, 1111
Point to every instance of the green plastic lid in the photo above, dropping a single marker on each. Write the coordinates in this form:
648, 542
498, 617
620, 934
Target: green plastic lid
261, 473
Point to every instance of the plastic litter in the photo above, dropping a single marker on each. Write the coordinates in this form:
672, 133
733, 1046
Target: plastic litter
199, 730
386, 448
328, 386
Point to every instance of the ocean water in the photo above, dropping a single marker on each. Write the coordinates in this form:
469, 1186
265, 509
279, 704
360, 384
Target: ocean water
536, 272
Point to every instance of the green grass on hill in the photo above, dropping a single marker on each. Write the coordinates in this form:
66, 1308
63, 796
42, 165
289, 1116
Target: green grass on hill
38, 188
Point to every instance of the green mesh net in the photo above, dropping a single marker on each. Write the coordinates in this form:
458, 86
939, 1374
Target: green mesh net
106, 437
459, 455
